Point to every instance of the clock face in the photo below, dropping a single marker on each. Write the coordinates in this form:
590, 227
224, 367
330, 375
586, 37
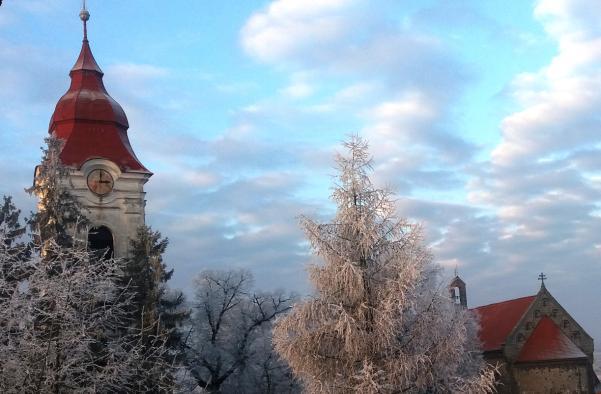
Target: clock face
100, 182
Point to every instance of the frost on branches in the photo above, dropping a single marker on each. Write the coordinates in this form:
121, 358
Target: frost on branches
58, 328
59, 214
228, 348
379, 322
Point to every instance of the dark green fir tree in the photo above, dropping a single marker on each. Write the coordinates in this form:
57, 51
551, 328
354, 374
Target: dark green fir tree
14, 269
11, 229
10, 225
156, 310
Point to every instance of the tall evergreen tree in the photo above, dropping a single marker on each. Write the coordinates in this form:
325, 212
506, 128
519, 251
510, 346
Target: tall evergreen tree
59, 217
10, 224
155, 311
12, 270
378, 322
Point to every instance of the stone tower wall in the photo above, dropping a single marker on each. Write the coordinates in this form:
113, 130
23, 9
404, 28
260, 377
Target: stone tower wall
122, 210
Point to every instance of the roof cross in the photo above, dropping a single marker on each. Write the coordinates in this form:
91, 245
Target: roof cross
542, 278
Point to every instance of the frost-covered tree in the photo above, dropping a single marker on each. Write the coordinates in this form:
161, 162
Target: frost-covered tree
379, 322
57, 327
228, 347
59, 217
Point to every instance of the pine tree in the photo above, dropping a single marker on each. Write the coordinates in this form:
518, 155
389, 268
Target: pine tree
59, 217
11, 232
10, 225
378, 322
155, 311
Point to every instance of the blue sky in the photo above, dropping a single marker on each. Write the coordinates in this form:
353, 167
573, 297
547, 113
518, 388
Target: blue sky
482, 116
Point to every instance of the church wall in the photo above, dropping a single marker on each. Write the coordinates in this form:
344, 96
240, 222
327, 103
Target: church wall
553, 379
505, 383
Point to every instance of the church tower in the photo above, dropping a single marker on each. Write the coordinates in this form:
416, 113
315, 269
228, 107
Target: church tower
105, 174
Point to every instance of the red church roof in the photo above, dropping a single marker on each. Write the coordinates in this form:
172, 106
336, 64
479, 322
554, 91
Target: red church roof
497, 320
547, 342
90, 121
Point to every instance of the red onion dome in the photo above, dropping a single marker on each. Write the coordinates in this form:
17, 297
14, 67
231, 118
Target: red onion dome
92, 124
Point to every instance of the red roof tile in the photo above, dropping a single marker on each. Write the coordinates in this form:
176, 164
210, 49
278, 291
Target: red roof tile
547, 342
497, 320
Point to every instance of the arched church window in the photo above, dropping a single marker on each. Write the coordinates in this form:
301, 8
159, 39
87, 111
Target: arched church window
536, 313
566, 323
100, 240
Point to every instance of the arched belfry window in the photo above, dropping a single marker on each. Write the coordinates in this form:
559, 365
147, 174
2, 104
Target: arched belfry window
455, 295
100, 239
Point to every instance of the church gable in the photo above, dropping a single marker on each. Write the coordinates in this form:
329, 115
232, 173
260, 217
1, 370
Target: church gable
547, 342
545, 305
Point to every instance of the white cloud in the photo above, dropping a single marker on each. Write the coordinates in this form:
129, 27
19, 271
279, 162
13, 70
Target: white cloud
558, 102
287, 26
300, 86
299, 90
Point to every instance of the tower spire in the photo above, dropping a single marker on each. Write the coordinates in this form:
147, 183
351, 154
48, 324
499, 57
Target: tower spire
84, 15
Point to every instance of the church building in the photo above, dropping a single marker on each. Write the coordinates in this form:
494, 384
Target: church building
104, 173
537, 345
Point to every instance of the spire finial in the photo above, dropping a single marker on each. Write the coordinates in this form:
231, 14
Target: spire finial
456, 266
542, 278
84, 15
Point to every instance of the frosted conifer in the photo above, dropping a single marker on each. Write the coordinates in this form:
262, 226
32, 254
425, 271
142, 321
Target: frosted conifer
57, 327
379, 322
